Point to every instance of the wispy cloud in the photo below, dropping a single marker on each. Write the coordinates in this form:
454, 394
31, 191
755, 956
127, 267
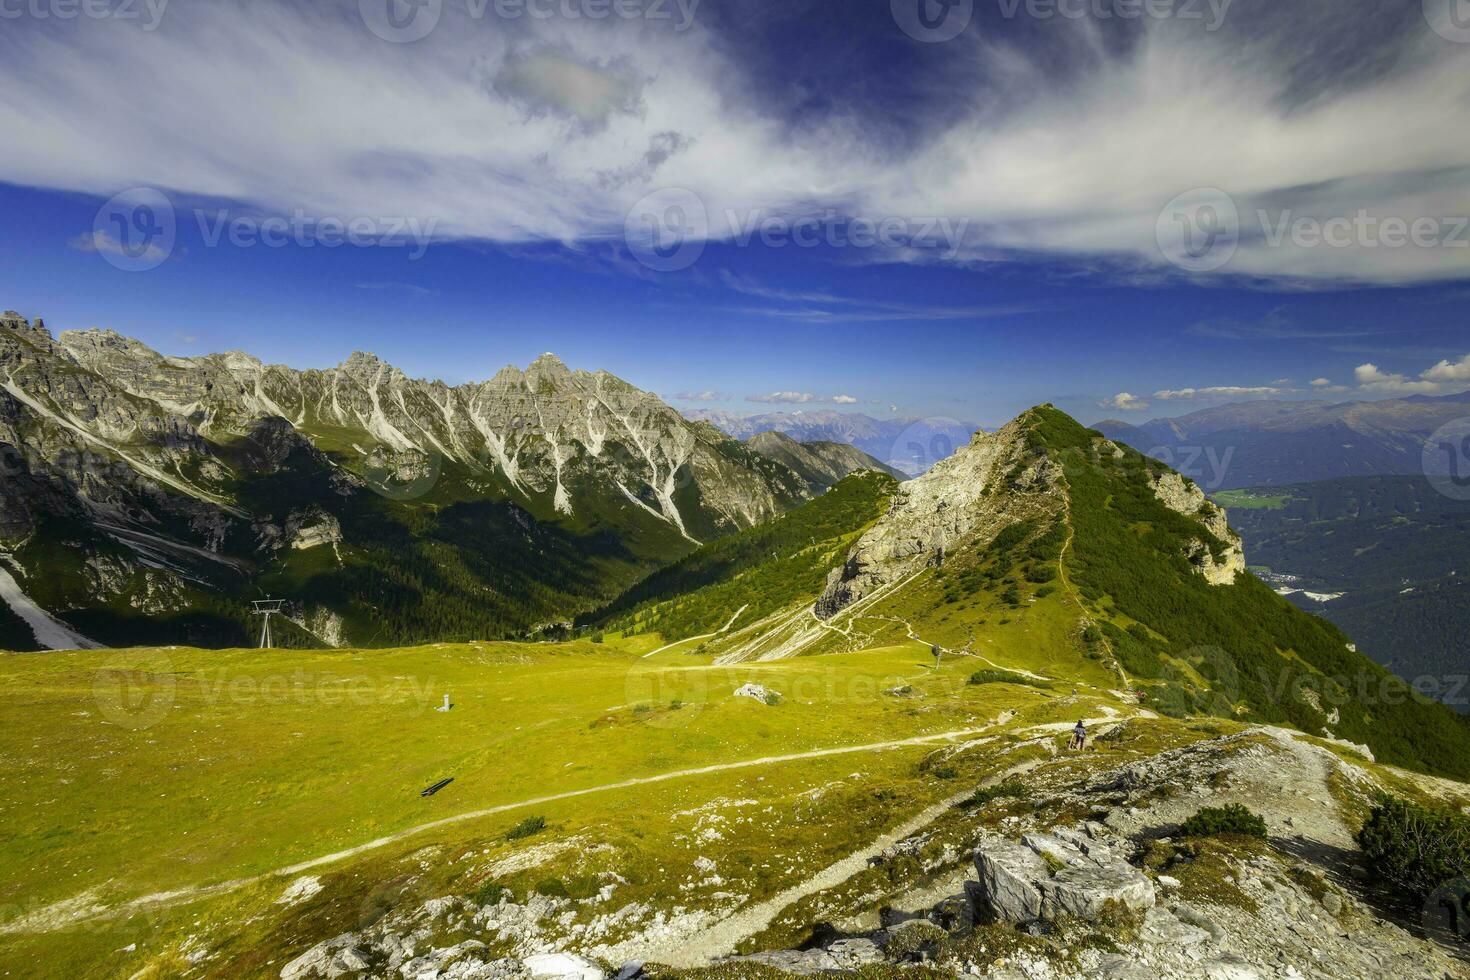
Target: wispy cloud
699, 396
406, 287
800, 398
808, 306
102, 242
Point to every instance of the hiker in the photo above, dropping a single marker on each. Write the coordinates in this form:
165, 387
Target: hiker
1079, 738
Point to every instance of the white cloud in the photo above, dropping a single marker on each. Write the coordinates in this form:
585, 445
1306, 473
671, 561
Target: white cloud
551, 129
783, 398
1219, 391
698, 396
1448, 372
1125, 402
1442, 377
101, 241
800, 398
1321, 382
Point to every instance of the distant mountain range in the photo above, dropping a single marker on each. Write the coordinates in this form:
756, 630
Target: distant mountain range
910, 445
1273, 443
148, 498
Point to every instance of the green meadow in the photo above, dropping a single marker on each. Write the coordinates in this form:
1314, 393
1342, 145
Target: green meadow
138, 772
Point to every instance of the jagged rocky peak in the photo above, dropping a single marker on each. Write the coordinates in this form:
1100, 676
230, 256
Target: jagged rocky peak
364, 366
938, 510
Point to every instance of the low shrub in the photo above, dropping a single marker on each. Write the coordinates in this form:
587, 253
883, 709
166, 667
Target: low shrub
527, 827
1216, 821
990, 676
490, 893
1414, 848
985, 794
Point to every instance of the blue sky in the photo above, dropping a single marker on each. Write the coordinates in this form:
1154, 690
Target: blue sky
523, 169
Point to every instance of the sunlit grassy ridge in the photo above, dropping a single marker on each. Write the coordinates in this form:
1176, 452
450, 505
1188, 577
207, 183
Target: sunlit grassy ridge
1256, 652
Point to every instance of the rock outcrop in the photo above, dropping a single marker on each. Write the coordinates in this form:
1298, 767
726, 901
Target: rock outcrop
963, 497
1057, 876
1184, 497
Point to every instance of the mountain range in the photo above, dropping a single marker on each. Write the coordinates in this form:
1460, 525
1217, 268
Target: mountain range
1273, 443
910, 444
147, 497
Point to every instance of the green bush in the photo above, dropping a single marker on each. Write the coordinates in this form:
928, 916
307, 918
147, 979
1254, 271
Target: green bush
527, 827
490, 893
985, 794
1232, 818
1415, 848
945, 772
990, 676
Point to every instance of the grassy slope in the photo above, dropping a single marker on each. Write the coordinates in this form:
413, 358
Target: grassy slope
1257, 652
765, 567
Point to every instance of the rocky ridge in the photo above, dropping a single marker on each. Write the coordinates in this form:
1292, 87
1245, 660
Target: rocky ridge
190, 477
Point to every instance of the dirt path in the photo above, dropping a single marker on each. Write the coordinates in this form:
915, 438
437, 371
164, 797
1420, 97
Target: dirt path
722, 938
702, 636
65, 914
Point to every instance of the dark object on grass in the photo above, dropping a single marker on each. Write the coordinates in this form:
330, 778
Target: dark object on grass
527, 827
437, 787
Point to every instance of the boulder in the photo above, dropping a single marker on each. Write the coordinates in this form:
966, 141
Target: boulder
1007, 890
1052, 876
757, 693
562, 966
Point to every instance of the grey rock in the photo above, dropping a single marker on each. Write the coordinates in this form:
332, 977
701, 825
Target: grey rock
1049, 876
1007, 887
